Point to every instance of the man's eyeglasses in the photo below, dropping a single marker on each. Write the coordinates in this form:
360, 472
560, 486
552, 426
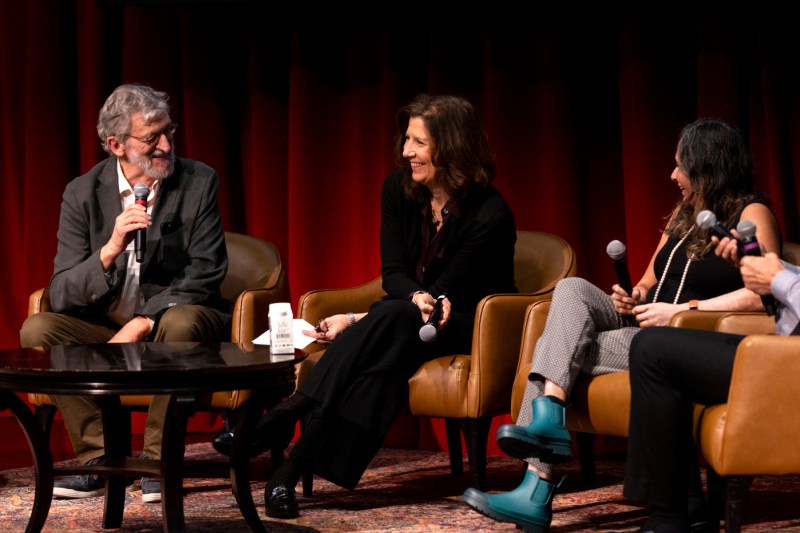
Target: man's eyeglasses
150, 140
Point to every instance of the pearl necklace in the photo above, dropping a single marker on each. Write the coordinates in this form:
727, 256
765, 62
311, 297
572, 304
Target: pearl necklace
666, 268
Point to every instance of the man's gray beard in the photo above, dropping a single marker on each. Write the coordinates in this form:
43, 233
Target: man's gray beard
145, 164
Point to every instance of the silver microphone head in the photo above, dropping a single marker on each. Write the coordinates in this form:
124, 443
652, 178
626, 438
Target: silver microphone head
427, 333
140, 190
616, 250
746, 228
706, 219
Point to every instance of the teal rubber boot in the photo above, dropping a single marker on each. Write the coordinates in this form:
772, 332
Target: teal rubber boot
546, 437
529, 506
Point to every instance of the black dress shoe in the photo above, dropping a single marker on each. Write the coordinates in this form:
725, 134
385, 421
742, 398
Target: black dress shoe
223, 442
275, 429
704, 526
280, 502
280, 437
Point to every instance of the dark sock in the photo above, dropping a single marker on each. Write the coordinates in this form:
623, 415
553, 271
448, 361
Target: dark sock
558, 401
288, 473
298, 403
288, 411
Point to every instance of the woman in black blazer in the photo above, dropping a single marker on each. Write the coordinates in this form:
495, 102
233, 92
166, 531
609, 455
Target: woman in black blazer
447, 232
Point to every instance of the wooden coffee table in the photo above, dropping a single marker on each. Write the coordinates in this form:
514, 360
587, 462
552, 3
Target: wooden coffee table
188, 372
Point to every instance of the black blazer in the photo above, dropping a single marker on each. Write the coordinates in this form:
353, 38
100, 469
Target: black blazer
185, 260
477, 259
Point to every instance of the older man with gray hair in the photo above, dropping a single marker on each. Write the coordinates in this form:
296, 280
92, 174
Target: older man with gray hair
141, 256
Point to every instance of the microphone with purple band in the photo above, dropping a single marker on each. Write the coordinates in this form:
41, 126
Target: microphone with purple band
140, 193
747, 229
616, 251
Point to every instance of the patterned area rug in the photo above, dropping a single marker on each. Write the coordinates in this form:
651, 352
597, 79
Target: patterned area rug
403, 490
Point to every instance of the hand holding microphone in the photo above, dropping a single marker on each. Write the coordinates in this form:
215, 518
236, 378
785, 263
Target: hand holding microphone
747, 232
428, 332
140, 193
747, 229
616, 251
707, 220
747, 245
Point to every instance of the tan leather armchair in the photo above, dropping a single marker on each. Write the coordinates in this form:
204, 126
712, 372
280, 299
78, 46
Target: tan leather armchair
757, 430
601, 405
466, 390
255, 279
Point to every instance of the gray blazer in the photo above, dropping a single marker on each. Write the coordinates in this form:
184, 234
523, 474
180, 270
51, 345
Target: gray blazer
185, 259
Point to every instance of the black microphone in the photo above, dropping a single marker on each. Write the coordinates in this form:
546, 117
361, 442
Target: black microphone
140, 193
707, 220
616, 251
428, 332
747, 229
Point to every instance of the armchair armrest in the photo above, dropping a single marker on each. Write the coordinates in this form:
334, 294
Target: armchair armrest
535, 319
251, 313
499, 321
322, 303
739, 322
695, 319
756, 432
39, 301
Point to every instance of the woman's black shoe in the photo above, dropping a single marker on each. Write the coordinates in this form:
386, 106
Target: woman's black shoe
280, 502
279, 437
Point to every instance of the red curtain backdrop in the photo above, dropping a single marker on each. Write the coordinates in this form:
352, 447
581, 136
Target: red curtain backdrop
295, 109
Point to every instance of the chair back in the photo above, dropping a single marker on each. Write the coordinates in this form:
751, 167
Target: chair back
252, 264
791, 253
540, 260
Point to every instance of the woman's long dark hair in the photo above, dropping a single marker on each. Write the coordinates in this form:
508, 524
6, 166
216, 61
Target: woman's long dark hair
459, 144
714, 157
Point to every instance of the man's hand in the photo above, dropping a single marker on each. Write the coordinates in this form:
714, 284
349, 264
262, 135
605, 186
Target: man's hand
134, 217
758, 272
134, 331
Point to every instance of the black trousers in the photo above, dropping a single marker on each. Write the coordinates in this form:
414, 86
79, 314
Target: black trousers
671, 369
361, 383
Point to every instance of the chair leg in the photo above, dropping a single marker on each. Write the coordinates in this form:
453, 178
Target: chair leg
453, 432
476, 435
736, 488
586, 457
715, 484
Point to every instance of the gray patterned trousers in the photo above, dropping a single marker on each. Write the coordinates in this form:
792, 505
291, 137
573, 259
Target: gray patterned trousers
583, 334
